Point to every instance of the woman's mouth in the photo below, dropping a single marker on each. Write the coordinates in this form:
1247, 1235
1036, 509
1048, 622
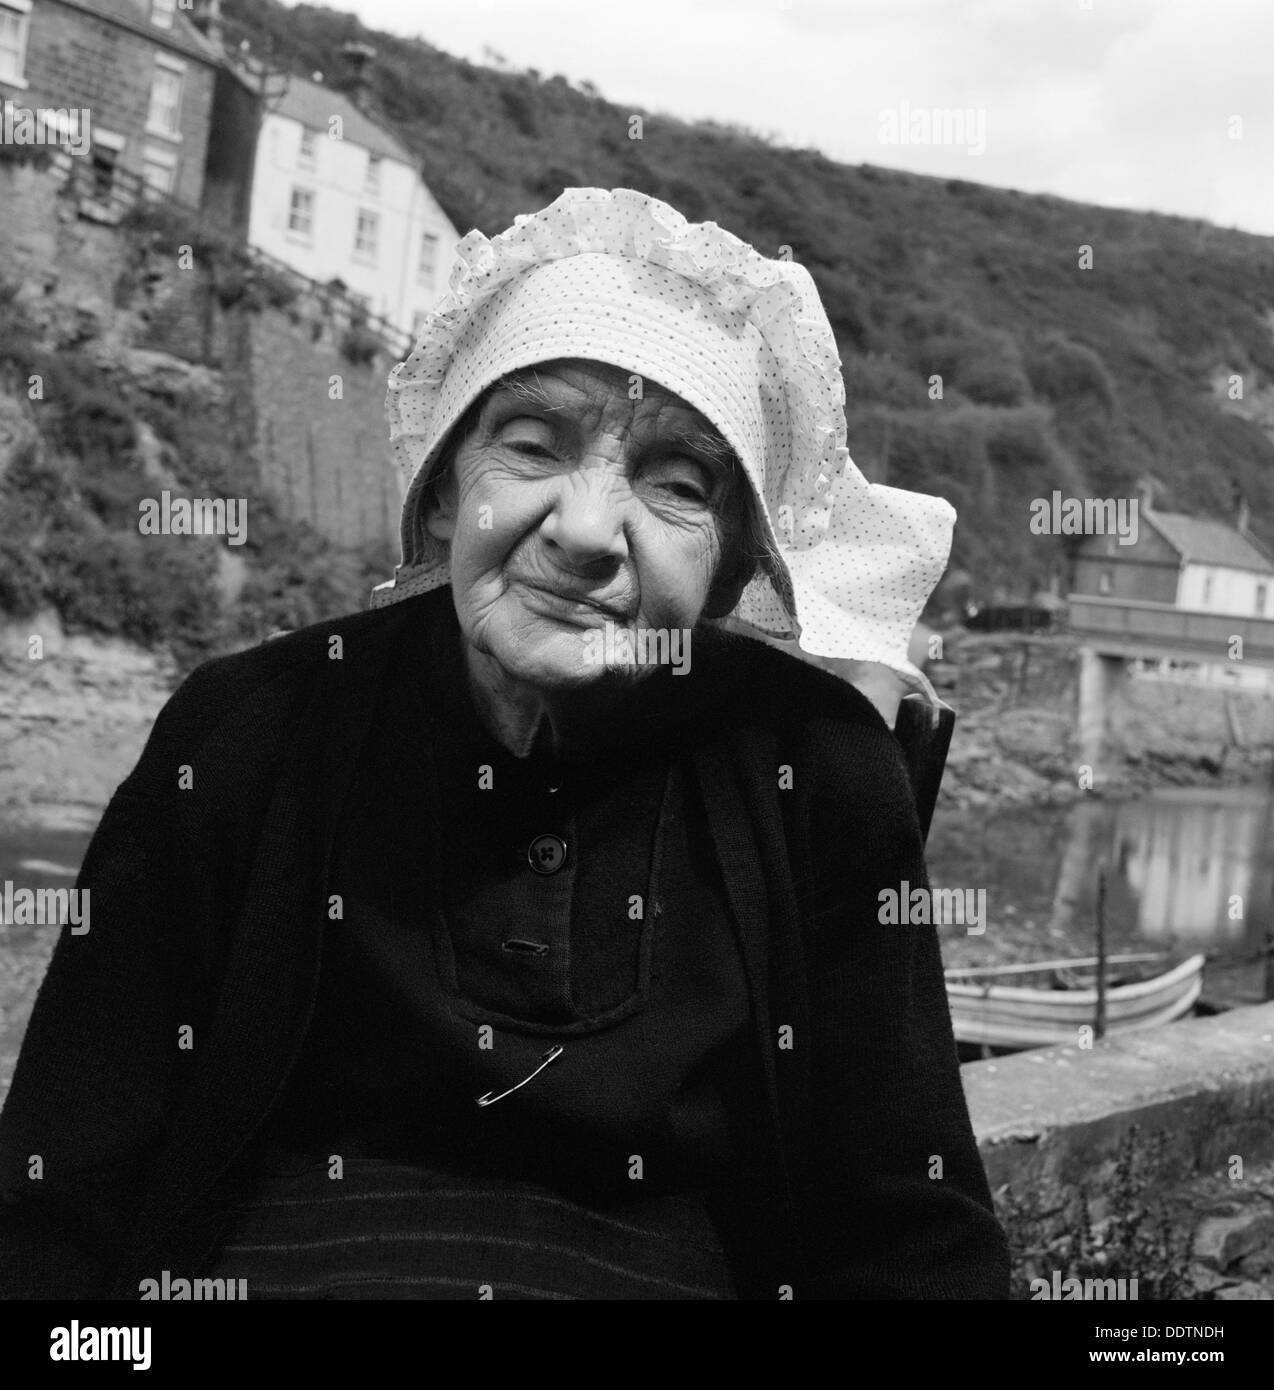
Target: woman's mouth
581, 604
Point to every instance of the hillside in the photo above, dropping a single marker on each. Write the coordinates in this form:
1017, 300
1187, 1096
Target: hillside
1053, 376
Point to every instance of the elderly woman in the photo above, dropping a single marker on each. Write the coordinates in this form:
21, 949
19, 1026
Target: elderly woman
521, 937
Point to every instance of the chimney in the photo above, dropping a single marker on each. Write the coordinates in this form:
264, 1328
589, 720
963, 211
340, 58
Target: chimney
1146, 486
1245, 516
358, 59
207, 19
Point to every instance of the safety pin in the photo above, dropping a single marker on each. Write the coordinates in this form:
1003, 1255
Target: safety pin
550, 1056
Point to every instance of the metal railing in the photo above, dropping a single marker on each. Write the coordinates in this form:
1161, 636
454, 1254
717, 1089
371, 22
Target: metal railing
108, 195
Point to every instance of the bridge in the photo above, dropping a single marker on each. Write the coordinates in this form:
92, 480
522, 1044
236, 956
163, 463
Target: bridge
1112, 632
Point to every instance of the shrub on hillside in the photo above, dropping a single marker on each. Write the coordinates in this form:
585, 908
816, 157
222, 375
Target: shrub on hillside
359, 345
519, 105
149, 589
166, 225
1065, 372
876, 378
1026, 455
982, 364
22, 577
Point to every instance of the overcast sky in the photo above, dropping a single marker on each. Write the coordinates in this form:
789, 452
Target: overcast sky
1159, 104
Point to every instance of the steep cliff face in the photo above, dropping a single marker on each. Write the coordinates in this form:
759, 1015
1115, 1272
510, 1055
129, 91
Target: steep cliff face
146, 362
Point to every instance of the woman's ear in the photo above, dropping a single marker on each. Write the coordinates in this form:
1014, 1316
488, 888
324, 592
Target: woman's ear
728, 586
439, 507
737, 567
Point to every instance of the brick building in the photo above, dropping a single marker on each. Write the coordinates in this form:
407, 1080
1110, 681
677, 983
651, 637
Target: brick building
140, 68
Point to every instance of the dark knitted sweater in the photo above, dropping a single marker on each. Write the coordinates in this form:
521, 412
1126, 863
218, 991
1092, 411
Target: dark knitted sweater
453, 966
162, 1039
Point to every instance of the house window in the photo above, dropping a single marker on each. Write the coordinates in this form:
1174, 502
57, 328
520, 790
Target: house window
307, 155
13, 40
1105, 582
159, 169
366, 234
428, 258
165, 100
161, 13
104, 160
373, 175
1260, 598
301, 213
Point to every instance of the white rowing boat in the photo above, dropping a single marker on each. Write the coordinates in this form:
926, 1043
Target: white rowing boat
1019, 1016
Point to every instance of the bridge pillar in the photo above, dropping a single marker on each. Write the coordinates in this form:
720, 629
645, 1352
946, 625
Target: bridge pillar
1100, 678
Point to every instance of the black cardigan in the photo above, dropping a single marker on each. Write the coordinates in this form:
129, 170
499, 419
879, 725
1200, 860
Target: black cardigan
161, 1038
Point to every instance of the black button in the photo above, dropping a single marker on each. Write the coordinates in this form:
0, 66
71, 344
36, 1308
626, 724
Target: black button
547, 854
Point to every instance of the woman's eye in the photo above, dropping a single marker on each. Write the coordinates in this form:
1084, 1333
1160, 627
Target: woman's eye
683, 478
687, 490
528, 436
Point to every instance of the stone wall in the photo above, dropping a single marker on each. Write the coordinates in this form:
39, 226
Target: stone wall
319, 431
307, 421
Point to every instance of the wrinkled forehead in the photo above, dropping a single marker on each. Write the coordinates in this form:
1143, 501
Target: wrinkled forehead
600, 394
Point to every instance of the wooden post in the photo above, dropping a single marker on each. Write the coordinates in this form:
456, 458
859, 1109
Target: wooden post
1100, 1028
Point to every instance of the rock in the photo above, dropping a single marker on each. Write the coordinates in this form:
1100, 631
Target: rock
1205, 1279
1246, 1292
160, 373
15, 431
1221, 1240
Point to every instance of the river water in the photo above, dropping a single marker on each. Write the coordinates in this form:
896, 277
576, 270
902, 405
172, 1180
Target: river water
1187, 870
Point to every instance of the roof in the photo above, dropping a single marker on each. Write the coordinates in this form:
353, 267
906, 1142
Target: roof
313, 104
1206, 541
135, 15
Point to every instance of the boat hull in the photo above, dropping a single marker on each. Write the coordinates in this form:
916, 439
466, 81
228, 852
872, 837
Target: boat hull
1018, 1017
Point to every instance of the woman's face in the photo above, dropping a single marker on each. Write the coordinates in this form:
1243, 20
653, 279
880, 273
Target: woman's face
575, 514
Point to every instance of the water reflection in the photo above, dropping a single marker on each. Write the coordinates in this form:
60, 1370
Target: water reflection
1187, 870
1192, 868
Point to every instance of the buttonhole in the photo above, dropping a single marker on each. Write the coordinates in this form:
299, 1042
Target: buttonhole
526, 948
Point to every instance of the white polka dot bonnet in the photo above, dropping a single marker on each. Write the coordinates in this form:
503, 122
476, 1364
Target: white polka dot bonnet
622, 278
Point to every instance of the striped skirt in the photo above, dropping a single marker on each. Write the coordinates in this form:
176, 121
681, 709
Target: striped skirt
392, 1231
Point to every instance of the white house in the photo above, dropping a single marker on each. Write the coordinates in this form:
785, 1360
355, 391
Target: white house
337, 197
1222, 570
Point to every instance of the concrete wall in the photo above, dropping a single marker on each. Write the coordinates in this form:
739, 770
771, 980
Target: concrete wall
1053, 1118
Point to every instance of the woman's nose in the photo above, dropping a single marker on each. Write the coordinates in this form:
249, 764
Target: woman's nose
586, 524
